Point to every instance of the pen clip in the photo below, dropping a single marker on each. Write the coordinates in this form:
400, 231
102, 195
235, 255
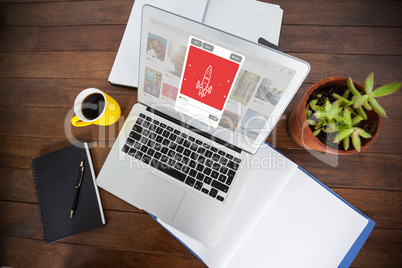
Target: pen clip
82, 173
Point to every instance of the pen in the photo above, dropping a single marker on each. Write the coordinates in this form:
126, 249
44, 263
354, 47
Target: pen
77, 187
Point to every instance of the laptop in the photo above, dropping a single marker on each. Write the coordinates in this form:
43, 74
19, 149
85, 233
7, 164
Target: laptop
207, 100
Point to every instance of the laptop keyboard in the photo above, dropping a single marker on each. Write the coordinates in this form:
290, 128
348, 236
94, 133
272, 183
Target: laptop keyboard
187, 159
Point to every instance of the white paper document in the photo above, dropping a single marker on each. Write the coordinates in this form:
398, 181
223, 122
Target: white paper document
125, 68
283, 218
248, 19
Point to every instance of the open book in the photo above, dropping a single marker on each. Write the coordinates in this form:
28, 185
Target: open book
285, 218
257, 19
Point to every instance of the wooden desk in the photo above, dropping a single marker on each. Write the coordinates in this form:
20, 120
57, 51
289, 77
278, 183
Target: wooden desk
51, 50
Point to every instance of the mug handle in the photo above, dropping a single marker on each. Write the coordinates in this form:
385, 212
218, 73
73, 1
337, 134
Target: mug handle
78, 123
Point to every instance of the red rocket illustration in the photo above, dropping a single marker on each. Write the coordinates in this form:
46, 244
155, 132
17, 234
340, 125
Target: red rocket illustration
203, 86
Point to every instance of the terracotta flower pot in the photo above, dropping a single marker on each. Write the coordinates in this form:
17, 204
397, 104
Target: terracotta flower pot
299, 129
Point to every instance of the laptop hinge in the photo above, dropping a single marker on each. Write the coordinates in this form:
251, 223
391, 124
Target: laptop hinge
194, 129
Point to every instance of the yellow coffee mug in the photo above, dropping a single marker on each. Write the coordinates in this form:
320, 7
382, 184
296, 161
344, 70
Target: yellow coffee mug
93, 106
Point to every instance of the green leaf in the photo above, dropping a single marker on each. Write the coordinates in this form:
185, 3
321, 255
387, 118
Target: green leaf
343, 134
335, 107
352, 88
348, 102
346, 143
377, 107
367, 106
346, 94
308, 113
319, 114
347, 117
342, 101
327, 106
368, 83
386, 89
314, 102
311, 122
356, 120
356, 141
341, 127
360, 101
317, 132
331, 127
362, 133
361, 112
316, 107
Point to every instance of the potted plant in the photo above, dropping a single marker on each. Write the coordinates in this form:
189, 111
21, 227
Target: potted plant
339, 116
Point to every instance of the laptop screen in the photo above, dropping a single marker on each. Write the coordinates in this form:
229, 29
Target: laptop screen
223, 85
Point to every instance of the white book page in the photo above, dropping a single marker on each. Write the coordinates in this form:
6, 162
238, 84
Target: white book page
269, 172
91, 167
248, 19
307, 226
125, 68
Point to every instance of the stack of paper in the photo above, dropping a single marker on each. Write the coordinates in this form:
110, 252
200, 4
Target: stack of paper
248, 19
245, 18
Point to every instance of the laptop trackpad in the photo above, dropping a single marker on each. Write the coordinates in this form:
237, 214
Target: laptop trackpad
160, 197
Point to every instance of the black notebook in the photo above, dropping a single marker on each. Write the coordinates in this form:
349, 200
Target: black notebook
55, 177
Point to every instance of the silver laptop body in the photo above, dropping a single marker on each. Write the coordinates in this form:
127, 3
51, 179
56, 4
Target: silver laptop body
182, 157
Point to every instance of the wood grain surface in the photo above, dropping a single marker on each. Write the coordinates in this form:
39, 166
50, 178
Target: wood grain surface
50, 50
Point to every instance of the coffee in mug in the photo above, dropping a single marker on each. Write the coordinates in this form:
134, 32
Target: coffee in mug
92, 106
